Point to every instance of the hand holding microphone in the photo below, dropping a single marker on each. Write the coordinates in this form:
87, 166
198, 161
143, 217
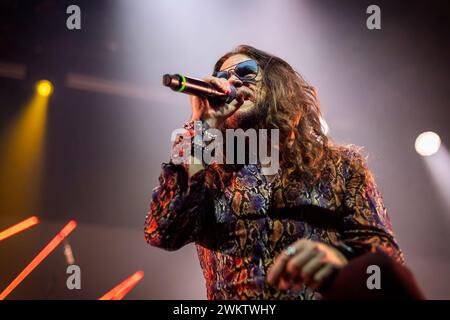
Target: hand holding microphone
213, 99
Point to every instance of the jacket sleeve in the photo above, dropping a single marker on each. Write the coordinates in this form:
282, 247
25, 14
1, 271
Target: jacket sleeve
178, 208
367, 226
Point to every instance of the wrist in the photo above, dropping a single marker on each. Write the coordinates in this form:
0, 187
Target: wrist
344, 250
341, 257
212, 122
197, 130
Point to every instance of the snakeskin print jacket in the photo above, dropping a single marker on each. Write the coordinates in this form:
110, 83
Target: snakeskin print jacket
239, 231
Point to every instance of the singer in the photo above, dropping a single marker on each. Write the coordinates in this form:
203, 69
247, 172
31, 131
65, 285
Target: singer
278, 236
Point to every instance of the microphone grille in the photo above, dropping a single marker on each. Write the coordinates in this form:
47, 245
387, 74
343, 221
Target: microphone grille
167, 80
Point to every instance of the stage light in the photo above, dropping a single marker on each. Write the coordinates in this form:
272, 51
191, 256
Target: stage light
22, 157
438, 167
44, 88
68, 228
124, 287
427, 143
19, 227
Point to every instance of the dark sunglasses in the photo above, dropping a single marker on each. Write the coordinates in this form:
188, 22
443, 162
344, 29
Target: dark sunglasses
246, 71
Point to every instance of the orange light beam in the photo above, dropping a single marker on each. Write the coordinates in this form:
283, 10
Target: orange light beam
123, 288
68, 228
19, 227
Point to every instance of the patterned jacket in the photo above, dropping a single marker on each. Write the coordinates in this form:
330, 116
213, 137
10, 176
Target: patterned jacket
239, 231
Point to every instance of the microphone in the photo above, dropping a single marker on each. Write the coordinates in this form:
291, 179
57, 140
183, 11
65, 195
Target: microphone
196, 87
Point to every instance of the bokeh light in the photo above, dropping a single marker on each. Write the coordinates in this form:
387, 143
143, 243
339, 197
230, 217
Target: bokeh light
44, 88
427, 143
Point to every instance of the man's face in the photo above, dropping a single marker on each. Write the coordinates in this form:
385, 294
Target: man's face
247, 112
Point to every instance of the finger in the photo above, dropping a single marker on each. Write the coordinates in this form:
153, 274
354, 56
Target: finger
275, 271
227, 85
289, 280
323, 273
285, 282
312, 266
219, 83
295, 265
297, 283
279, 266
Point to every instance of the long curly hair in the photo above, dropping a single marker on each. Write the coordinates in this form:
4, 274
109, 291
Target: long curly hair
291, 105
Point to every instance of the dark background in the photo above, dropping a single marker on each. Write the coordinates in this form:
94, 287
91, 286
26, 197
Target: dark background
378, 89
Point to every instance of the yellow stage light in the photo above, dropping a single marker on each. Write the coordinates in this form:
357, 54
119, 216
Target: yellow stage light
44, 88
22, 158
